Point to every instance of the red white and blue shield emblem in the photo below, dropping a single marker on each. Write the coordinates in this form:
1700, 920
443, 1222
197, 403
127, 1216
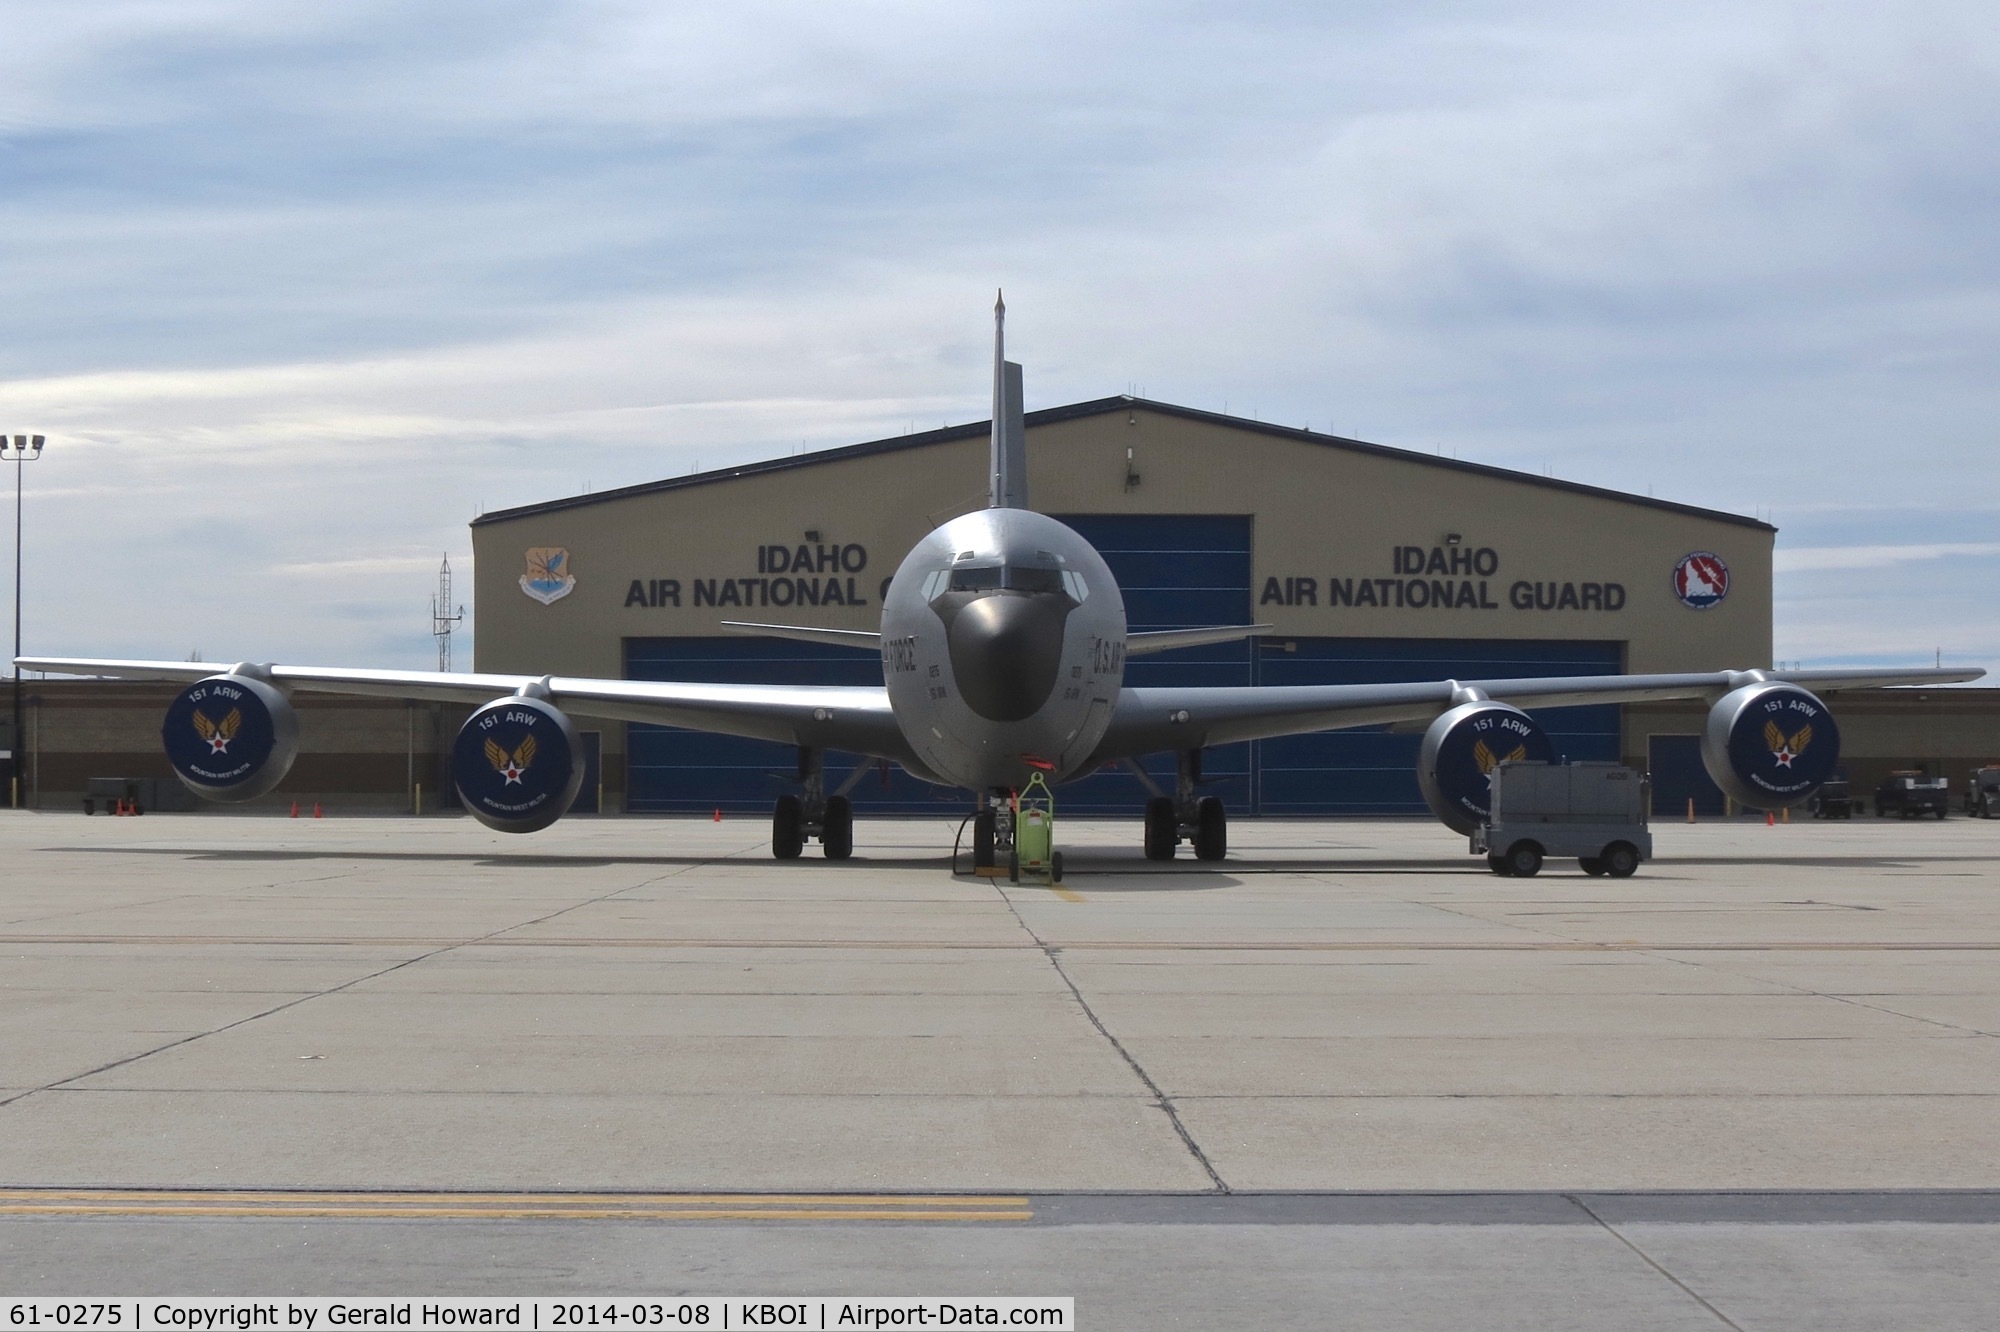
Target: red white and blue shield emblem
1701, 579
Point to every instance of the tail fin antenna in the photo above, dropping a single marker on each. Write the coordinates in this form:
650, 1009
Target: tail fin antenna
1008, 487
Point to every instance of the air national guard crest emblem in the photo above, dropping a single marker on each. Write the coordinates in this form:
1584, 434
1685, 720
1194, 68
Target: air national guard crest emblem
548, 578
1701, 580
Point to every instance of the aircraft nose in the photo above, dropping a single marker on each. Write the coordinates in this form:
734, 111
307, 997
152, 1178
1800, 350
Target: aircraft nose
1005, 653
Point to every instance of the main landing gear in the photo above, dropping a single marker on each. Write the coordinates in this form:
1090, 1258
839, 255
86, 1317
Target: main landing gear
797, 818
1181, 816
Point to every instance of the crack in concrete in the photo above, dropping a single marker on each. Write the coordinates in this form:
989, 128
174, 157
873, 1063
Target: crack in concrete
65, 1083
1160, 1098
1653, 1263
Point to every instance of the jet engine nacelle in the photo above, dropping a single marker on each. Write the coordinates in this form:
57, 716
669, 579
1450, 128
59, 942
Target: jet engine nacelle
517, 764
230, 737
1461, 749
1769, 745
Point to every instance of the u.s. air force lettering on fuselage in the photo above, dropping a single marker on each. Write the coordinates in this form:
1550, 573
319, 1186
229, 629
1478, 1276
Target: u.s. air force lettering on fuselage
806, 574
1443, 578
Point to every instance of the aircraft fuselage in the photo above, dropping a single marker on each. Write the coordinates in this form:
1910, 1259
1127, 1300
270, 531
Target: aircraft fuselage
1003, 649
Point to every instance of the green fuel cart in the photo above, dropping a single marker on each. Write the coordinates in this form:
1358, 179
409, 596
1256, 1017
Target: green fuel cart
1034, 833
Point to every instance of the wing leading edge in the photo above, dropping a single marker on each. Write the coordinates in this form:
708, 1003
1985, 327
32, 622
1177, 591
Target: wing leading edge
1149, 720
854, 719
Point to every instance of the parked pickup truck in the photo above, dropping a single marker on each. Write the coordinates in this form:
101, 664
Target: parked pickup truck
1593, 811
1832, 801
1912, 795
1982, 793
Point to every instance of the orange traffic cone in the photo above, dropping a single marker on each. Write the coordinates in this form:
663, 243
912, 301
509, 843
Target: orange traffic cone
1770, 819
316, 811
295, 809
718, 814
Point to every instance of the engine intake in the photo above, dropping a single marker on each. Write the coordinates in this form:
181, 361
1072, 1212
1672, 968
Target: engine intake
1769, 746
230, 737
1460, 751
517, 764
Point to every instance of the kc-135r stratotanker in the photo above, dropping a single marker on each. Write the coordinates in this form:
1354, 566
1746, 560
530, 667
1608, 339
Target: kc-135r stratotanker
1003, 645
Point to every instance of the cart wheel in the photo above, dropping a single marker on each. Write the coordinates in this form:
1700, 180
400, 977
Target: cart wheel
1524, 860
1498, 864
1621, 859
1055, 867
1013, 866
1592, 865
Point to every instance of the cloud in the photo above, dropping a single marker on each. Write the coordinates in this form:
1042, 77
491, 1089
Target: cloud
293, 286
1813, 558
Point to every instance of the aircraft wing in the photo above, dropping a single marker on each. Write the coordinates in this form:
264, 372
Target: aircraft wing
854, 719
1148, 720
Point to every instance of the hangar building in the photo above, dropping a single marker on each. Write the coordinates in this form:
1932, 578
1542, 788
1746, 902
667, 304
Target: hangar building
1369, 563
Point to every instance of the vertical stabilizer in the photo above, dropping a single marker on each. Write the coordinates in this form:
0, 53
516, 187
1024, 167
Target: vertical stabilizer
1008, 488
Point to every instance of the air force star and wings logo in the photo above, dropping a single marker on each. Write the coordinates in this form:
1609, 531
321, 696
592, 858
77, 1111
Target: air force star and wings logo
1488, 760
512, 766
548, 578
216, 734
1784, 748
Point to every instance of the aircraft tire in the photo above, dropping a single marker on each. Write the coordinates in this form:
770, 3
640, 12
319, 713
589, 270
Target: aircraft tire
1013, 867
788, 836
836, 836
1211, 830
1163, 831
983, 835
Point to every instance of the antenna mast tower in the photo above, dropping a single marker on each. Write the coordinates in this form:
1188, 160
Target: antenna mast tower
442, 615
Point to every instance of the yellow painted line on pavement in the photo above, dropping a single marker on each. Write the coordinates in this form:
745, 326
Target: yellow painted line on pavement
517, 1213
1064, 893
514, 1206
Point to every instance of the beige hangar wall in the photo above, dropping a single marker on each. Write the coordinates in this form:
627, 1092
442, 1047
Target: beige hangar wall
1341, 532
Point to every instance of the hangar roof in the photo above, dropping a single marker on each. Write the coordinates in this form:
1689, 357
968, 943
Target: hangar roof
1100, 407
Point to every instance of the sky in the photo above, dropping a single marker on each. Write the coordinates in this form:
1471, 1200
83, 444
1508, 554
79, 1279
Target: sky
297, 290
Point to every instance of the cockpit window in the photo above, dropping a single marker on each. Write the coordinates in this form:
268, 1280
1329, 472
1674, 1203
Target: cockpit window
1034, 580
1019, 578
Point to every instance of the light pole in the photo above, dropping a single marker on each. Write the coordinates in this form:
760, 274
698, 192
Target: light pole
19, 450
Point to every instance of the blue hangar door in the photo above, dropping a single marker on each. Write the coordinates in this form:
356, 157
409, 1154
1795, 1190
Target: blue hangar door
672, 771
1175, 571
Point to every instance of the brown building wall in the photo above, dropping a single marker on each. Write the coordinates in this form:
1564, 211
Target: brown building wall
1944, 732
353, 753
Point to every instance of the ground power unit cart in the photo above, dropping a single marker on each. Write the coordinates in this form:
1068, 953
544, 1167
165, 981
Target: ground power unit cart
1593, 811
